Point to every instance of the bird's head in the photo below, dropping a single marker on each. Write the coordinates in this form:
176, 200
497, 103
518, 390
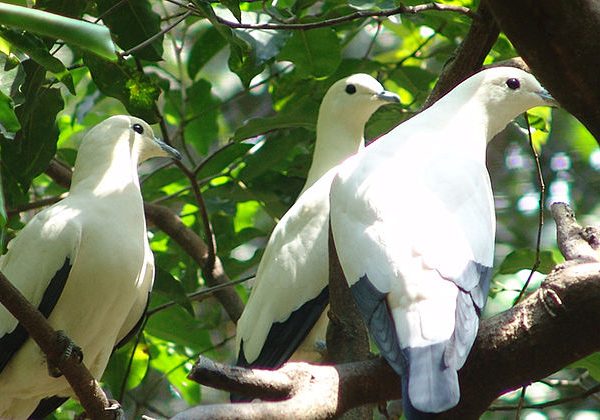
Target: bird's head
513, 88
498, 95
354, 99
142, 142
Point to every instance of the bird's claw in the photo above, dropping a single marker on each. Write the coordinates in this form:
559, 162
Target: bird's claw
115, 410
70, 349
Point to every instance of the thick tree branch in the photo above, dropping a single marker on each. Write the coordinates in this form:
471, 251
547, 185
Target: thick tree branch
559, 41
170, 223
347, 337
551, 328
89, 393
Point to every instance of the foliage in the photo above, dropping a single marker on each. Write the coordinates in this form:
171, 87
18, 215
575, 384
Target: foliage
241, 104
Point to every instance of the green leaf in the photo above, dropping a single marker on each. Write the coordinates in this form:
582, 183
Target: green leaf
3, 215
315, 52
242, 60
220, 160
69, 8
267, 156
175, 367
123, 81
131, 23
37, 51
302, 113
90, 37
208, 44
234, 8
201, 129
119, 362
522, 259
591, 363
34, 145
170, 288
9, 124
175, 324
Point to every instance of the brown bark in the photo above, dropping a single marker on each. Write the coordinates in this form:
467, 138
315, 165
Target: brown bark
559, 41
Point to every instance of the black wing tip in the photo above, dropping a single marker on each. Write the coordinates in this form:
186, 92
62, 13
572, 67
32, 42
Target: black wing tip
285, 337
46, 407
11, 343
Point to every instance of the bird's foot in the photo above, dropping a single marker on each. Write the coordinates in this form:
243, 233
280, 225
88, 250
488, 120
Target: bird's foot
70, 349
115, 410
320, 347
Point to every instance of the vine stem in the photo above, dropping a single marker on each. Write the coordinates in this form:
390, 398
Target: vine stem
540, 178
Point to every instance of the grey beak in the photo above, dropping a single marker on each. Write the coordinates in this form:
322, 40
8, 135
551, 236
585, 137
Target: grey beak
170, 150
388, 97
550, 101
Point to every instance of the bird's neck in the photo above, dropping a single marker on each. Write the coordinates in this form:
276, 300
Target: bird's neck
473, 123
347, 140
105, 169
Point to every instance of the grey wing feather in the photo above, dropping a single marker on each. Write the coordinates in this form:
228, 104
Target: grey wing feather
373, 307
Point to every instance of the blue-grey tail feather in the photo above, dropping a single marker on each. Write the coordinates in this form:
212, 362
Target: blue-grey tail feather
410, 412
465, 332
432, 386
373, 307
420, 392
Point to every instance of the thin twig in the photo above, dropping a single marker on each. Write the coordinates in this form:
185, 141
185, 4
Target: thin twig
208, 232
540, 177
156, 36
402, 9
353, 16
200, 294
373, 40
36, 204
521, 402
131, 357
593, 390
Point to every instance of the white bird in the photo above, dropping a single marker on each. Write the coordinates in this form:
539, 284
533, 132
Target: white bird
85, 263
413, 222
290, 291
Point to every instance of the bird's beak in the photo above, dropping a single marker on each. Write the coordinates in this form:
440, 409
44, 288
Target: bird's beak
388, 97
545, 95
171, 151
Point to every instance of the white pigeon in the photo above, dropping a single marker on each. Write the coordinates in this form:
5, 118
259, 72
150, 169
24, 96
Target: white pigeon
85, 263
290, 291
413, 222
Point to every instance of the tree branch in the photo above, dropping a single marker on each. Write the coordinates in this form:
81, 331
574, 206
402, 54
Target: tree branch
362, 14
170, 223
347, 337
89, 393
551, 328
559, 41
468, 57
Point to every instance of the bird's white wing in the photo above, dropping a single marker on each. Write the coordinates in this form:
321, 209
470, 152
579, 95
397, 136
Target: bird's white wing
38, 263
136, 316
290, 291
419, 247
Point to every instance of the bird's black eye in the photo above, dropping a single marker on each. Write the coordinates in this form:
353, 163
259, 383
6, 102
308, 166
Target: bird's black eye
350, 89
513, 83
138, 128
